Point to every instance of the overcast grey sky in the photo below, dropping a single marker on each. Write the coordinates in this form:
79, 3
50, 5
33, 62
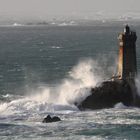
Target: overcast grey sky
67, 7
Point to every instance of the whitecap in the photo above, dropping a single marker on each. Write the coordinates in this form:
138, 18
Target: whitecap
55, 47
120, 106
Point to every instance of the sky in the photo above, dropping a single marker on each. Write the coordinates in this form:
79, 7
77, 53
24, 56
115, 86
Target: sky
36, 8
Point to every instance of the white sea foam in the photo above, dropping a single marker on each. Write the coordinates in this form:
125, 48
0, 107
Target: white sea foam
55, 47
76, 86
120, 106
62, 97
137, 80
17, 24
71, 23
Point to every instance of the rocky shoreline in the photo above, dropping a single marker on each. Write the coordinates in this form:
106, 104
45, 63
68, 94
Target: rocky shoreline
110, 93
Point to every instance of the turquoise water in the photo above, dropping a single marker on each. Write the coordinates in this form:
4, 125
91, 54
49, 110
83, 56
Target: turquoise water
44, 69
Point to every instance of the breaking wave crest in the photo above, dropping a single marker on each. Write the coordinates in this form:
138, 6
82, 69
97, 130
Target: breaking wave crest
62, 97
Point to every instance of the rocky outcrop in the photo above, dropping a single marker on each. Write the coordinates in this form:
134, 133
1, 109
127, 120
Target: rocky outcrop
50, 119
109, 94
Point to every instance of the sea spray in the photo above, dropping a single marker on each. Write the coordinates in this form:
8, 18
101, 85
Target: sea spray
74, 88
137, 81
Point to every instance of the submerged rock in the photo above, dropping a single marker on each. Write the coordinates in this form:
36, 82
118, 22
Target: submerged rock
50, 119
109, 94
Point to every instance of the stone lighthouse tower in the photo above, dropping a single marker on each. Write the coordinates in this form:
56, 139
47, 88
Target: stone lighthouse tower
127, 65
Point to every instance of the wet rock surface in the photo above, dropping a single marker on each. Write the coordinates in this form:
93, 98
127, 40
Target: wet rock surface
107, 95
50, 119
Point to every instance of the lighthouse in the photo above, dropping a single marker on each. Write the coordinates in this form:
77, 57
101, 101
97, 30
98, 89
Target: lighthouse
121, 88
127, 64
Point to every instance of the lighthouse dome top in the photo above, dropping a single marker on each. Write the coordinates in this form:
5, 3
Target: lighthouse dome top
127, 29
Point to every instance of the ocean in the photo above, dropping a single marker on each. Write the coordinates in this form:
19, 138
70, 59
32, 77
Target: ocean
45, 69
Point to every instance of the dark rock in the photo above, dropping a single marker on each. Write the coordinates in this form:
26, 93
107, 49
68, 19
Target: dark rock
50, 119
47, 119
56, 119
109, 94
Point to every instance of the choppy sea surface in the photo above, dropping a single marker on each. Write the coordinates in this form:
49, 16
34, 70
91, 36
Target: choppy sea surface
45, 69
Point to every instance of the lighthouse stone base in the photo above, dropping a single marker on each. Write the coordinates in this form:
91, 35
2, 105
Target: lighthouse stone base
109, 94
